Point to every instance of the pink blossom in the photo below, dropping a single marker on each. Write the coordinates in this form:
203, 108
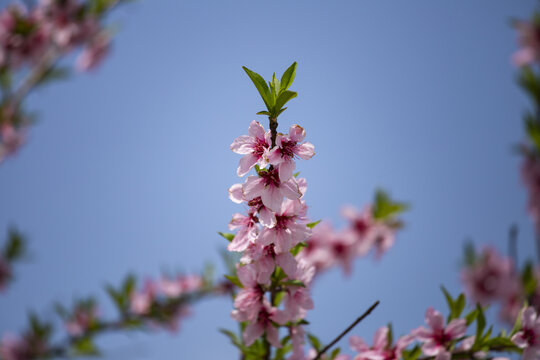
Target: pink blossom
81, 320
381, 349
264, 260
22, 37
253, 146
529, 39
264, 324
271, 190
249, 301
297, 299
287, 147
180, 285
247, 231
14, 348
490, 278
368, 231
317, 251
528, 338
141, 302
297, 340
290, 227
437, 338
11, 140
94, 53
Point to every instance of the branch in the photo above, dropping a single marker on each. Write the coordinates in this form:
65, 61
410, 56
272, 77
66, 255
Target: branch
349, 328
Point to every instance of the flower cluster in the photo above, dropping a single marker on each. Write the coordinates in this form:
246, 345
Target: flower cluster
529, 40
328, 247
163, 302
490, 278
51, 28
270, 234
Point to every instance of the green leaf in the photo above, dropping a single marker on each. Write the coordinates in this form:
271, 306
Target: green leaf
129, 285
471, 317
529, 83
532, 127
500, 342
480, 325
448, 297
293, 283
469, 253
288, 77
311, 225
528, 279
234, 280
15, 246
227, 236
295, 250
459, 305
234, 338
314, 341
261, 86
263, 113
412, 354
335, 353
390, 335
384, 208
85, 346
282, 99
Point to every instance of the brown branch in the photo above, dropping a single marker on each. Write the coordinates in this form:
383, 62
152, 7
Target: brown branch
349, 328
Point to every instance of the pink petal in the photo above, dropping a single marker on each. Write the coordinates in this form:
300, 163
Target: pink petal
288, 263
246, 274
235, 193
528, 318
272, 335
380, 339
256, 130
358, 344
252, 333
297, 133
242, 145
305, 150
290, 189
456, 328
272, 197
253, 187
434, 319
286, 169
267, 217
246, 163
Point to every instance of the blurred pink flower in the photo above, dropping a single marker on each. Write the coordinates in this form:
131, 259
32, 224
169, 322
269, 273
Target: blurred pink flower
491, 278
381, 349
438, 337
528, 337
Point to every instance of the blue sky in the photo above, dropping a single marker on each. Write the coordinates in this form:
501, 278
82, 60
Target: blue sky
128, 168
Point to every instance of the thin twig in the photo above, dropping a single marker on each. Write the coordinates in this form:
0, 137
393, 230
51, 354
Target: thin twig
349, 328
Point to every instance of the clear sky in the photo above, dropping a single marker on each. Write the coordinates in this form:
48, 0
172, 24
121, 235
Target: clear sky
128, 168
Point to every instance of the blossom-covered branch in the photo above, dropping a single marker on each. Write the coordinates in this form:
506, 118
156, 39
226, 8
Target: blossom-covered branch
157, 304
33, 41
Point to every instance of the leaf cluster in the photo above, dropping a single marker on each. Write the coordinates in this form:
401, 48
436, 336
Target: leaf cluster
274, 93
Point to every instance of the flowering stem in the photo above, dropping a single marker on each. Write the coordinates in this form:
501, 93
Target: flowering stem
349, 328
273, 129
